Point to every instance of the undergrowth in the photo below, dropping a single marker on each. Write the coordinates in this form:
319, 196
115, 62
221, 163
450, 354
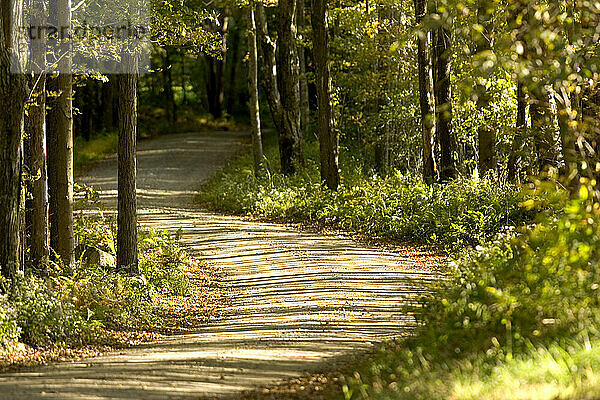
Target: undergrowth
95, 149
518, 320
397, 206
73, 306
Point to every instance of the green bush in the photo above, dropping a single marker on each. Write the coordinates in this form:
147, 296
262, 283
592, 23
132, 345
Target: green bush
463, 212
68, 306
46, 316
95, 149
518, 310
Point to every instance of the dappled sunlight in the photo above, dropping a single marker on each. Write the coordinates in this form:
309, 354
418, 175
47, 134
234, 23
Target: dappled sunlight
298, 300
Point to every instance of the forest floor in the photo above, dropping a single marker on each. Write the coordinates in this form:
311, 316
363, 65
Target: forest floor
298, 300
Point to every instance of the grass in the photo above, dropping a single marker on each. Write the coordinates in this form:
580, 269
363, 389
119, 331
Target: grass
87, 152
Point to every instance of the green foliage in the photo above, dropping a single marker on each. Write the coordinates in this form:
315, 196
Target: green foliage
122, 301
95, 149
523, 310
9, 329
69, 305
397, 206
46, 315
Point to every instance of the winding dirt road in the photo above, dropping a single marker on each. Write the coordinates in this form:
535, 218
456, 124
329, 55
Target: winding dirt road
299, 299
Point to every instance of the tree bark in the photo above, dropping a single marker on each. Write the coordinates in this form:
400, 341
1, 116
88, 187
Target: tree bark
288, 68
37, 214
168, 94
215, 89
485, 134
269, 68
60, 135
108, 122
328, 138
127, 254
253, 89
304, 97
12, 101
426, 97
514, 159
231, 95
443, 107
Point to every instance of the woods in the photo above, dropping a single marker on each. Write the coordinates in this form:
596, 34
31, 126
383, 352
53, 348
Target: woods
471, 127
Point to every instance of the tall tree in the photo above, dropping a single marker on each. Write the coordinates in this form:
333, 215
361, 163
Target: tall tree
328, 137
127, 254
168, 95
12, 102
288, 69
514, 158
485, 133
426, 97
215, 84
253, 89
304, 97
443, 106
37, 210
60, 137
268, 67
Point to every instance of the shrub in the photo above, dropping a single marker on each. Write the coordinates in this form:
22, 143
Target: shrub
397, 206
522, 310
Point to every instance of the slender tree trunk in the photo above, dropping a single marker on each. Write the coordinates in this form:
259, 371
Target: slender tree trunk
426, 97
537, 111
168, 88
328, 138
304, 100
184, 99
443, 107
216, 70
231, 92
60, 136
514, 159
288, 68
36, 126
485, 134
127, 254
269, 68
107, 103
253, 89
12, 101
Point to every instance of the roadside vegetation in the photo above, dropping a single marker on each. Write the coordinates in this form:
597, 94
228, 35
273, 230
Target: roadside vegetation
59, 309
397, 206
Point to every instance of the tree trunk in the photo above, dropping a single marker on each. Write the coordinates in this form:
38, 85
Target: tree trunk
304, 99
486, 135
215, 89
269, 68
288, 68
443, 107
127, 255
12, 101
37, 214
514, 159
253, 89
234, 60
60, 136
168, 87
426, 97
328, 138
108, 122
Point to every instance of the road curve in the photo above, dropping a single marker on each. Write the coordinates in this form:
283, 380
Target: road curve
299, 299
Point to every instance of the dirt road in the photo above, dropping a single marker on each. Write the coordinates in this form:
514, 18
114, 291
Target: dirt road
300, 299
